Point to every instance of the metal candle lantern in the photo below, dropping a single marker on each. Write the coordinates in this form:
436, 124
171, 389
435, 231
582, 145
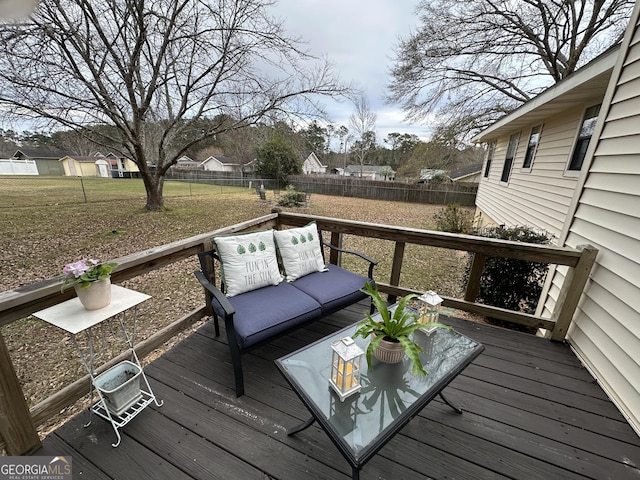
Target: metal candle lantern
345, 367
429, 309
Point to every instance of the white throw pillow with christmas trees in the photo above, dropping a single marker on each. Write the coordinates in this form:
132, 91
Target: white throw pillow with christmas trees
299, 250
249, 261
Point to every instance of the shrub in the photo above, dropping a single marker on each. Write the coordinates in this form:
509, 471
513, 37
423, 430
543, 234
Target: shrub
454, 219
291, 197
509, 283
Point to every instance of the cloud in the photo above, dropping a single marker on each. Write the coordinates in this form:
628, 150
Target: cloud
359, 37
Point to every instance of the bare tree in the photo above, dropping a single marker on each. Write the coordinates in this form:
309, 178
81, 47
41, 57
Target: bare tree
363, 123
343, 134
70, 141
471, 62
153, 70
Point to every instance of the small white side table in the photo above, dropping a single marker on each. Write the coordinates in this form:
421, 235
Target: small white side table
72, 317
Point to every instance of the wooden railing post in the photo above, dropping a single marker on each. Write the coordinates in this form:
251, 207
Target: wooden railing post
571, 291
473, 282
335, 257
16, 426
208, 245
396, 268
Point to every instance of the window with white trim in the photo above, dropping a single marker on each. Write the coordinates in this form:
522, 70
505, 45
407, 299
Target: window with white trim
584, 137
511, 153
532, 146
490, 151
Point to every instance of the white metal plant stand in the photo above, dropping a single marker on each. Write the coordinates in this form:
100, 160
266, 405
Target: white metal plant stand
73, 318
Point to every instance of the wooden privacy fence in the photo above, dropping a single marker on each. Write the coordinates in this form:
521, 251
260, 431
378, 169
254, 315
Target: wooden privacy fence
18, 422
439, 194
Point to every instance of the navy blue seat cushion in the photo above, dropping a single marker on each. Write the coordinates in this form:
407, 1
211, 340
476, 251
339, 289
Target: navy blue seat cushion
333, 289
265, 312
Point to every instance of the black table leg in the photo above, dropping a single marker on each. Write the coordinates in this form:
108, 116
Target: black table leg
455, 407
355, 473
302, 426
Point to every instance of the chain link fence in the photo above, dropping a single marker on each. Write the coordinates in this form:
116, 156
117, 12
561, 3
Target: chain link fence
57, 190
23, 191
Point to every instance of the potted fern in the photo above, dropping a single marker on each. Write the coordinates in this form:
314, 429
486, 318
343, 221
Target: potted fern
390, 335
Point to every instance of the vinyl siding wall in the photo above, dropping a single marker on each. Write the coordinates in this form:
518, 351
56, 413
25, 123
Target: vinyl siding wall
540, 197
130, 166
606, 329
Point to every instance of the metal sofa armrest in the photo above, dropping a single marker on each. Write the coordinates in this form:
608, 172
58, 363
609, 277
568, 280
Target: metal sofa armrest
216, 293
372, 262
229, 312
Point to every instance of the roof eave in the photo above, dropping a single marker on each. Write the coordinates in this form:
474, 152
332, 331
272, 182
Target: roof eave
569, 89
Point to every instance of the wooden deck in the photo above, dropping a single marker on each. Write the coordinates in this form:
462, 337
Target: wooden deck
530, 412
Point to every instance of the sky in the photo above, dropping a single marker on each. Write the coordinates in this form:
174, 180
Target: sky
359, 37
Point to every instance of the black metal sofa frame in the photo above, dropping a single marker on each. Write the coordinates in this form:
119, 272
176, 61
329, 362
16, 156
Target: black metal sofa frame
349, 283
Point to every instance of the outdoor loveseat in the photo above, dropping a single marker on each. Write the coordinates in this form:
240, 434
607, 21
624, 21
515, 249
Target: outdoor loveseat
273, 281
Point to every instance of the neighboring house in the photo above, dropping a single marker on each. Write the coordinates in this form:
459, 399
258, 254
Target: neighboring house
121, 167
313, 165
249, 166
47, 161
221, 164
372, 172
568, 161
467, 174
187, 163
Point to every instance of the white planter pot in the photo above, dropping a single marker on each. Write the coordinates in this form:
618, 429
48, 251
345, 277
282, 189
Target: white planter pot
389, 352
120, 386
97, 295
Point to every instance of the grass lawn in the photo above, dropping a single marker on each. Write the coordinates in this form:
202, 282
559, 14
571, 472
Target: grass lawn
38, 191
37, 241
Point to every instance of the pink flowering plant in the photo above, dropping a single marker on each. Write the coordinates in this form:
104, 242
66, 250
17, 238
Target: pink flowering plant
83, 272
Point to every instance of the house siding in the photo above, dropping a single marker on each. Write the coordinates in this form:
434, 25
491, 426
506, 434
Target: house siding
219, 168
214, 165
130, 165
599, 206
605, 332
312, 165
542, 196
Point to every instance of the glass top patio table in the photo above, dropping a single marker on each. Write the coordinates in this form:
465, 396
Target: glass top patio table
390, 396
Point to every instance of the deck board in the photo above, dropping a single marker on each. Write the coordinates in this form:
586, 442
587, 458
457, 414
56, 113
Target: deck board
531, 411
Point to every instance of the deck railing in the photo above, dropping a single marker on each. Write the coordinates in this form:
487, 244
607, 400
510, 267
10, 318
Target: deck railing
18, 423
